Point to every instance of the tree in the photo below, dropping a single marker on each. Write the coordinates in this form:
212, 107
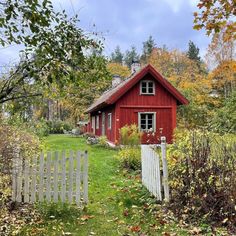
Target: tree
118, 69
117, 55
62, 49
148, 46
187, 77
223, 78
21, 20
220, 49
224, 120
193, 52
215, 15
131, 56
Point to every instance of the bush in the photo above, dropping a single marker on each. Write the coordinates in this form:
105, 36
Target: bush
130, 158
130, 135
202, 176
58, 126
14, 141
102, 141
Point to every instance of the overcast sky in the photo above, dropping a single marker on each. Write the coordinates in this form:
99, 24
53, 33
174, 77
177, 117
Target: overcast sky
130, 22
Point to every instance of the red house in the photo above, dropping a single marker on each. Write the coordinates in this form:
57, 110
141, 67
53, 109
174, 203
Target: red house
146, 99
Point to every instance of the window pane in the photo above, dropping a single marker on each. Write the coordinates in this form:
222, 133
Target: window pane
149, 126
150, 116
150, 84
144, 90
144, 87
143, 126
143, 116
150, 90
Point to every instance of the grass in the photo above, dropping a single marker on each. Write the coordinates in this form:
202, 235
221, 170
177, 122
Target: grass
118, 204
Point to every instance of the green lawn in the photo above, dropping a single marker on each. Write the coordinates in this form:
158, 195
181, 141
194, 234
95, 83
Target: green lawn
118, 204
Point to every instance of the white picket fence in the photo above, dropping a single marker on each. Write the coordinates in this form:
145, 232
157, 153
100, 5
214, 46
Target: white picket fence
152, 177
53, 176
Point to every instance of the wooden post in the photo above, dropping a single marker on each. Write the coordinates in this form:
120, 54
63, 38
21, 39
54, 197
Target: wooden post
165, 169
78, 181
85, 177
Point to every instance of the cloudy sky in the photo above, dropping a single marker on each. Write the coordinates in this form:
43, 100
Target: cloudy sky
130, 22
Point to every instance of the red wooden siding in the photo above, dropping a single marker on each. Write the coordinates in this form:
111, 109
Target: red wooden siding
127, 104
110, 133
163, 103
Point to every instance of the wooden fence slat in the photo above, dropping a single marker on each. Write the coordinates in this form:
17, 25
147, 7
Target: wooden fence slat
63, 177
85, 177
78, 181
26, 180
48, 180
41, 177
165, 169
55, 178
33, 181
19, 179
14, 180
71, 168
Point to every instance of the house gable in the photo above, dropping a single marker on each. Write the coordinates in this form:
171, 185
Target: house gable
112, 96
181, 100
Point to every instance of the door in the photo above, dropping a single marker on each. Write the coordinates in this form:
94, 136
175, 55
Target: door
103, 123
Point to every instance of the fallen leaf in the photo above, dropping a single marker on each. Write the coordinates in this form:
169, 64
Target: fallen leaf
136, 228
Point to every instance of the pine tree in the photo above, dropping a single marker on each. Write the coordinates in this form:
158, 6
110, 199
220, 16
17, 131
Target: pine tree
148, 46
117, 56
131, 56
193, 52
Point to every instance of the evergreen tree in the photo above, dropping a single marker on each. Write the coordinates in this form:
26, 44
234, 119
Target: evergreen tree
131, 56
148, 46
117, 56
193, 52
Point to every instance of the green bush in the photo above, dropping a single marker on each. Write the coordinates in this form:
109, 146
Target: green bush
130, 158
102, 141
130, 135
58, 126
202, 176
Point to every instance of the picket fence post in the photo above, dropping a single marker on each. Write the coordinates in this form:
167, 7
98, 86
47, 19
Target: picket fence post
165, 169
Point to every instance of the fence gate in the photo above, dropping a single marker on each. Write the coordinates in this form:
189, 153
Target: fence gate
53, 176
151, 171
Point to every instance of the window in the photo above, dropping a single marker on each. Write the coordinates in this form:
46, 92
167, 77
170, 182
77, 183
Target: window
109, 121
147, 121
147, 87
97, 122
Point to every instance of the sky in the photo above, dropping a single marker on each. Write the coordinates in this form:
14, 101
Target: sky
130, 22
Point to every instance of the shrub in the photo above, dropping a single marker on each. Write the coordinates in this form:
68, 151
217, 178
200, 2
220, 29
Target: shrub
202, 176
58, 126
130, 158
13, 141
102, 141
130, 135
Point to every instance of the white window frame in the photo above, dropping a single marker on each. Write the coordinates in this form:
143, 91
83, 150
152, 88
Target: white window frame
109, 120
153, 121
147, 87
97, 122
